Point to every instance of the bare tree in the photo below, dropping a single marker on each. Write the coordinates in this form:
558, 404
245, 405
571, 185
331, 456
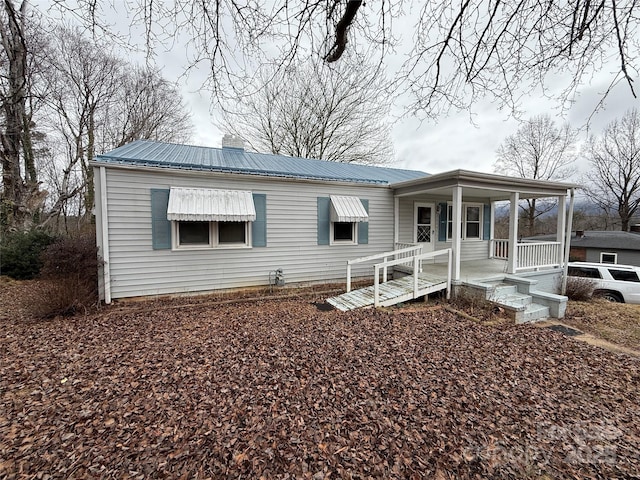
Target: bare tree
98, 102
86, 80
146, 107
538, 150
459, 52
21, 195
316, 111
615, 161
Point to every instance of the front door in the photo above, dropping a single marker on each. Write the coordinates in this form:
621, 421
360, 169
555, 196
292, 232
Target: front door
424, 227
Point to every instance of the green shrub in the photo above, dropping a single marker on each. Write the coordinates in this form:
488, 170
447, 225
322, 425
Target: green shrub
69, 277
21, 253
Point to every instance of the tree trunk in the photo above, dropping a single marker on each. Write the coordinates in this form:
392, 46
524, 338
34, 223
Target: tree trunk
14, 107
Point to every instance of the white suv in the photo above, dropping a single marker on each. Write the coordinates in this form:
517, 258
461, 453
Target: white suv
616, 283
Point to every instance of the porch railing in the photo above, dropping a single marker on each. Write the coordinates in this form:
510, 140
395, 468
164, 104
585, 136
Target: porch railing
538, 254
499, 248
400, 256
529, 254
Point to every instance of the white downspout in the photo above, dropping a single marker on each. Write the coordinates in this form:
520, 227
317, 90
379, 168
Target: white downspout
567, 243
106, 274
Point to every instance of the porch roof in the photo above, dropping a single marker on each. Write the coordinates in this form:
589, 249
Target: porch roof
496, 187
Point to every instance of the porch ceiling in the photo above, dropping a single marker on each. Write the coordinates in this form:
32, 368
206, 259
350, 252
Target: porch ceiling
476, 184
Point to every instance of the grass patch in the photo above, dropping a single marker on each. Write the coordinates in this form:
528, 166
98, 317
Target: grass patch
615, 322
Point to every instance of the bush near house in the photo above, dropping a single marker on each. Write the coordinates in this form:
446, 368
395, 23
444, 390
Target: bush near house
69, 276
21, 252
580, 288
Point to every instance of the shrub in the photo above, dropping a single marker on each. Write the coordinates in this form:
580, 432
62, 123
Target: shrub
580, 288
69, 277
21, 253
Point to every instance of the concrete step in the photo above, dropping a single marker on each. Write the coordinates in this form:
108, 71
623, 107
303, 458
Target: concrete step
534, 312
504, 290
513, 300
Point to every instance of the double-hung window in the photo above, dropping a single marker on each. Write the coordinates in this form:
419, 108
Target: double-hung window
472, 220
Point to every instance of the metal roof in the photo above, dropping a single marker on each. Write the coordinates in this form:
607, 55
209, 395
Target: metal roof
347, 209
235, 160
210, 205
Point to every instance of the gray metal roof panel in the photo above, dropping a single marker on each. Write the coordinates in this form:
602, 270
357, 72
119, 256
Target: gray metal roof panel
235, 160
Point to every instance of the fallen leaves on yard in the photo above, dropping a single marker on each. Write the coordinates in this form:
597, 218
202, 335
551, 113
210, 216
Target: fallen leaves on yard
280, 389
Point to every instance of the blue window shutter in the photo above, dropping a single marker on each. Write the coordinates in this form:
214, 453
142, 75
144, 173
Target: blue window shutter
324, 220
486, 220
160, 226
442, 224
363, 227
259, 225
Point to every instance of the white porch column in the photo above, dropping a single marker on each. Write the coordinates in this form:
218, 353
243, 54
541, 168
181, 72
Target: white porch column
567, 246
396, 220
456, 231
562, 219
492, 230
512, 262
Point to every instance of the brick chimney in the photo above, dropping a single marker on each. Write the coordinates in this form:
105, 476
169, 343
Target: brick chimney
231, 141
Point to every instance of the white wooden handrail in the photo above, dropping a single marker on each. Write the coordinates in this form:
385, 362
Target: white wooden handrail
385, 256
416, 259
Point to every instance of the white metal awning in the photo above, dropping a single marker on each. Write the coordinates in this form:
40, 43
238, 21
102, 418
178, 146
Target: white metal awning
209, 205
347, 209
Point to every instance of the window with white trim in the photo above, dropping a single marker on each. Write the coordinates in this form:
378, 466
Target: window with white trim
195, 234
472, 221
345, 233
607, 257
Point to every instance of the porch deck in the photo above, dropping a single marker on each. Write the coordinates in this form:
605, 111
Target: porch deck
471, 270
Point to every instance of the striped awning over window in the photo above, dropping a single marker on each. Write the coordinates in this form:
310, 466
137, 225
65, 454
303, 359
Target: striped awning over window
347, 209
209, 205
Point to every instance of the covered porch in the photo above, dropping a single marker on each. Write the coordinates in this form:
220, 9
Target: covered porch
457, 209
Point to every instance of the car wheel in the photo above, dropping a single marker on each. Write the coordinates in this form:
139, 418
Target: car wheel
612, 297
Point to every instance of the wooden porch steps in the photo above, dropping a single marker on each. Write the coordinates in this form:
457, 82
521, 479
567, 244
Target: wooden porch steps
391, 292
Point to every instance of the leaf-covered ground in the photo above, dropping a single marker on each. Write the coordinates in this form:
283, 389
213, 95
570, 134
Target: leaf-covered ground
281, 389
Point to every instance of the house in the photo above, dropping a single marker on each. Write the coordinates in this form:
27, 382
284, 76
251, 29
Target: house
603, 246
175, 219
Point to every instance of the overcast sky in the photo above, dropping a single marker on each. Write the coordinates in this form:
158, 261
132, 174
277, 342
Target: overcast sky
460, 140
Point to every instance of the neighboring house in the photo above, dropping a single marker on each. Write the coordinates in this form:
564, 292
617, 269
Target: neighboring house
176, 218
603, 247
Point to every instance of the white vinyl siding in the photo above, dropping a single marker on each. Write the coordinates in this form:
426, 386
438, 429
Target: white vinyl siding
138, 270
